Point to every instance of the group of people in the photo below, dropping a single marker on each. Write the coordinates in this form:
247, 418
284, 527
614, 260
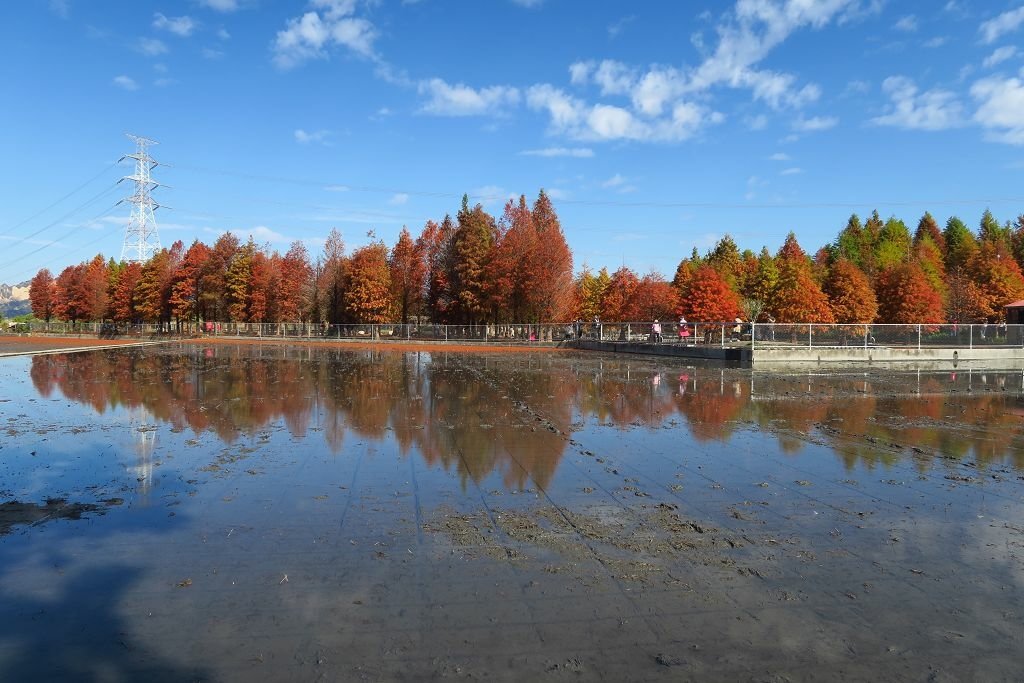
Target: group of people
683, 331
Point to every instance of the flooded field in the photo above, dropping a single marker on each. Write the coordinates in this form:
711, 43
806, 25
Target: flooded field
235, 513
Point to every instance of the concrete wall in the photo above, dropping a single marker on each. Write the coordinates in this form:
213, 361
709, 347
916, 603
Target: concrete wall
734, 354
877, 354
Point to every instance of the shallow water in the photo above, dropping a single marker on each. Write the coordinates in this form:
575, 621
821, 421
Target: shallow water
230, 512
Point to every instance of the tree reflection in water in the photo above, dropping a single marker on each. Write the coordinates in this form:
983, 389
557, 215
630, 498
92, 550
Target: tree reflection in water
481, 413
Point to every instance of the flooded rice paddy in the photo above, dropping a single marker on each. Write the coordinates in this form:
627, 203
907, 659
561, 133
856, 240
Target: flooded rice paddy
263, 512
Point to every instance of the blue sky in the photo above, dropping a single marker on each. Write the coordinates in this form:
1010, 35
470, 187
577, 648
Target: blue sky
655, 126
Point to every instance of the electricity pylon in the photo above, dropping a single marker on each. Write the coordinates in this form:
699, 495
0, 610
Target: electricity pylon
141, 240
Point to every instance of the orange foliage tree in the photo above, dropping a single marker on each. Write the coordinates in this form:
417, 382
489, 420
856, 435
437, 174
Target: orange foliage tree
41, 295
997, 277
407, 268
797, 298
122, 304
707, 297
849, 293
368, 290
294, 281
905, 296
618, 303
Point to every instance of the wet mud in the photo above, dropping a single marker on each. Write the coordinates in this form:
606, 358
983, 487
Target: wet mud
262, 512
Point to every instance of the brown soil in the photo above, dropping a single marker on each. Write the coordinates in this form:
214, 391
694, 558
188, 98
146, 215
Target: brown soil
346, 344
15, 344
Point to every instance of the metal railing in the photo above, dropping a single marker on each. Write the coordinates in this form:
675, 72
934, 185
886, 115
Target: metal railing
759, 335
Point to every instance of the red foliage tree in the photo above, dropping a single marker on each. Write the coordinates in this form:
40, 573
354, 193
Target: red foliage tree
41, 295
707, 297
656, 298
849, 293
618, 303
264, 279
435, 242
997, 277
122, 303
296, 275
407, 272
547, 272
186, 281
797, 297
905, 296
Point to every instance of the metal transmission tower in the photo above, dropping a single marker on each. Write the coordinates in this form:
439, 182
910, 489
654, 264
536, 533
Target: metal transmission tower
141, 240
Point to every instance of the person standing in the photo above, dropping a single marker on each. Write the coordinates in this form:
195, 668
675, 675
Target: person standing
684, 330
656, 332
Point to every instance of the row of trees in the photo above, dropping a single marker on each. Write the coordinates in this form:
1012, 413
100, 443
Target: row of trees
518, 268
874, 271
468, 270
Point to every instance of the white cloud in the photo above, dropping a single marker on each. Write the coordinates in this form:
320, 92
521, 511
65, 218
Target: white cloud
462, 100
399, 199
930, 110
210, 53
579, 72
125, 82
666, 103
573, 117
160, 68
151, 47
182, 26
815, 123
528, 3
556, 193
61, 8
259, 233
319, 137
759, 122
576, 152
907, 23
779, 156
330, 23
164, 82
220, 5
337, 188
937, 41
758, 27
491, 194
857, 87
619, 183
615, 78
1000, 108
1000, 55
792, 171
616, 180
223, 34
616, 27
656, 89
1007, 22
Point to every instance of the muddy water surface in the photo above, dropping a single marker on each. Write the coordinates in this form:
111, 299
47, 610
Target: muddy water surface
293, 513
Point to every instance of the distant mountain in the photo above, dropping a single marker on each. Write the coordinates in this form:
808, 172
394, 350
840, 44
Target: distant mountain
14, 299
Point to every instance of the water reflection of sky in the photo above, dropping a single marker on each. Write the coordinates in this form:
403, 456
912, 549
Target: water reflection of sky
504, 419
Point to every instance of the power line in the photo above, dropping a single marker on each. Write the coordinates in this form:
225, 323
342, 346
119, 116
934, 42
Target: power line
103, 236
58, 201
604, 202
73, 211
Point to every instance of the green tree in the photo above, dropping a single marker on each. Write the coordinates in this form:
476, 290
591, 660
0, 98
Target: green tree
960, 244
